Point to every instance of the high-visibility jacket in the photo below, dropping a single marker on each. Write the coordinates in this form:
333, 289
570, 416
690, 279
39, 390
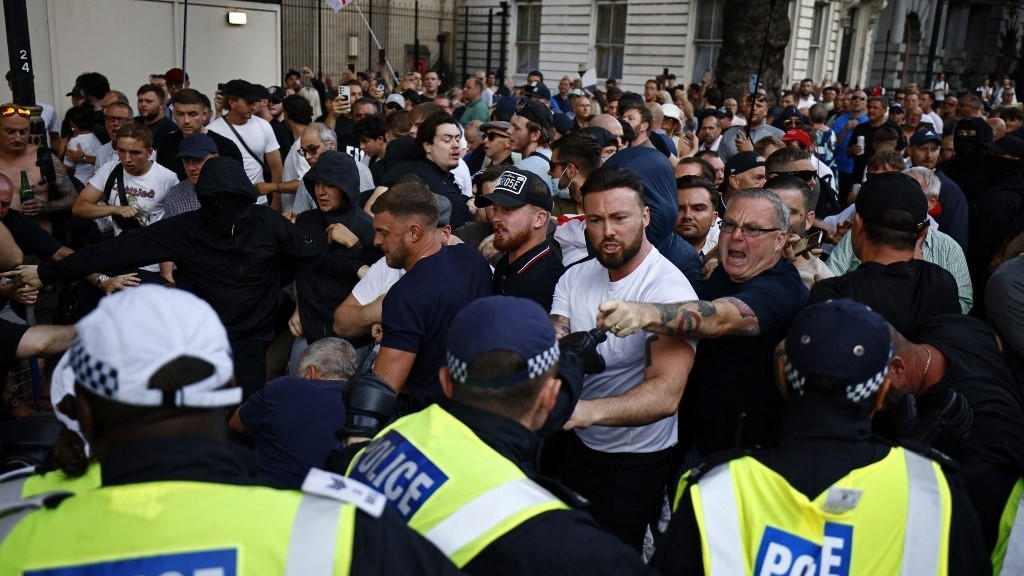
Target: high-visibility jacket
1008, 555
180, 527
448, 484
890, 517
26, 482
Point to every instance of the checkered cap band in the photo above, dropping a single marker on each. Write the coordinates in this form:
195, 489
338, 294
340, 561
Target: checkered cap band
854, 392
92, 372
535, 366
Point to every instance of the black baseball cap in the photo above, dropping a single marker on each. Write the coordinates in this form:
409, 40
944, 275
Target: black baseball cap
892, 191
517, 187
240, 89
534, 111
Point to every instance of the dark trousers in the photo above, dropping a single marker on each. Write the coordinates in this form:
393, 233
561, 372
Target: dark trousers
250, 357
625, 489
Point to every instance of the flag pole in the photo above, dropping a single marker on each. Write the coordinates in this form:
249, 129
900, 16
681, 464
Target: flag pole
369, 28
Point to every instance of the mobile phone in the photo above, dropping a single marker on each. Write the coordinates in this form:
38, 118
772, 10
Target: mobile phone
664, 72
380, 56
351, 67
808, 243
345, 92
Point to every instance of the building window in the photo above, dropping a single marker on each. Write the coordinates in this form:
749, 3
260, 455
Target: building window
817, 34
527, 37
708, 39
610, 41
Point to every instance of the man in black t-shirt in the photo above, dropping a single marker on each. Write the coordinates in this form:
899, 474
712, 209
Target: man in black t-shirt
959, 353
529, 268
891, 217
439, 281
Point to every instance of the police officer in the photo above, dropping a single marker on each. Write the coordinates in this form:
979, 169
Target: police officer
151, 371
463, 474
829, 499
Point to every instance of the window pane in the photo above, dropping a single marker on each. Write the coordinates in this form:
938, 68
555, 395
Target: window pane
817, 25
609, 61
709, 20
705, 59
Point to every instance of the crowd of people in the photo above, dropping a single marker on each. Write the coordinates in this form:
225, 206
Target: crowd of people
504, 329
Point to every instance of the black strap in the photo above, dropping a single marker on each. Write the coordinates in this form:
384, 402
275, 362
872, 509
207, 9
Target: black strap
117, 176
44, 159
246, 146
536, 153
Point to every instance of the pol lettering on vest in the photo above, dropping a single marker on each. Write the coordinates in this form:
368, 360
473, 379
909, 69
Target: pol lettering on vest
206, 563
782, 553
395, 467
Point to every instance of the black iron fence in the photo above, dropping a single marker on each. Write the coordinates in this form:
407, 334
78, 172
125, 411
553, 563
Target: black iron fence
413, 36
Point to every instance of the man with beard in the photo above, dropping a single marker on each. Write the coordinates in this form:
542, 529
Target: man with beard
529, 268
439, 281
191, 113
745, 309
152, 113
625, 424
757, 130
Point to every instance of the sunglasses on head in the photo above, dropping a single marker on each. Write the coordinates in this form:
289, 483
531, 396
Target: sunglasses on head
12, 110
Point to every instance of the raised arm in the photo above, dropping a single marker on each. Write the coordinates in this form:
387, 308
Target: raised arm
696, 319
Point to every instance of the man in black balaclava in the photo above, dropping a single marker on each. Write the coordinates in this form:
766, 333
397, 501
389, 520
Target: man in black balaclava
229, 253
967, 168
997, 213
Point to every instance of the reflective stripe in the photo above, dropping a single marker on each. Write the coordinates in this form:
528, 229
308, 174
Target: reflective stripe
923, 535
14, 512
314, 539
1013, 561
485, 512
12, 490
723, 525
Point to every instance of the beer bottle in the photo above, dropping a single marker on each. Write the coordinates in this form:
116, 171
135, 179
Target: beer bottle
25, 192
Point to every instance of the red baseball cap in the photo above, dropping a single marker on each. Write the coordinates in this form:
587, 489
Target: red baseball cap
800, 136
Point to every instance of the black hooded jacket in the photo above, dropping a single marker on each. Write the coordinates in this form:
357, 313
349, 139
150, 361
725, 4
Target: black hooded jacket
229, 252
323, 283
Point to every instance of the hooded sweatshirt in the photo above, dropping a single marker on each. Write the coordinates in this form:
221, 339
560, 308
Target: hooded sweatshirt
660, 196
230, 252
323, 283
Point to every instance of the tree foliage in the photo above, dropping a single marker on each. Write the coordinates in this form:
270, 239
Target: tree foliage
742, 39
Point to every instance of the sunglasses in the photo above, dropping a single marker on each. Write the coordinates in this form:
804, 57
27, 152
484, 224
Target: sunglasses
310, 150
12, 110
858, 98
392, 106
493, 135
116, 119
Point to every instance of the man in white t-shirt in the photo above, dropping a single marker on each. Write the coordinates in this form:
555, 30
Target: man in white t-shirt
253, 135
620, 456
145, 185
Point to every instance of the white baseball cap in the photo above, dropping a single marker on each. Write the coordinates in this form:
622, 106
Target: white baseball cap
134, 333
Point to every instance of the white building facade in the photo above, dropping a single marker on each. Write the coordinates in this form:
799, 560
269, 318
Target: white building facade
635, 40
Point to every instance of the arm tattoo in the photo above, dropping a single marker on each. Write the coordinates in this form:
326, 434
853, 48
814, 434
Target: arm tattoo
684, 319
751, 325
561, 324
66, 189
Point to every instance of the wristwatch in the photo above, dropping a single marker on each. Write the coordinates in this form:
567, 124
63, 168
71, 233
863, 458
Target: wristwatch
101, 279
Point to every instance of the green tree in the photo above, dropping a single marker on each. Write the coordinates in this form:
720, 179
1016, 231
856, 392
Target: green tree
742, 39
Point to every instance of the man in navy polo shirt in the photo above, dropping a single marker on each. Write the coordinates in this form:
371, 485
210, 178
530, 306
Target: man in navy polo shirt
522, 206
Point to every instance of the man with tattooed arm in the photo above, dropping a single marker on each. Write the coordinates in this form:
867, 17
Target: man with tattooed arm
746, 308
620, 451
